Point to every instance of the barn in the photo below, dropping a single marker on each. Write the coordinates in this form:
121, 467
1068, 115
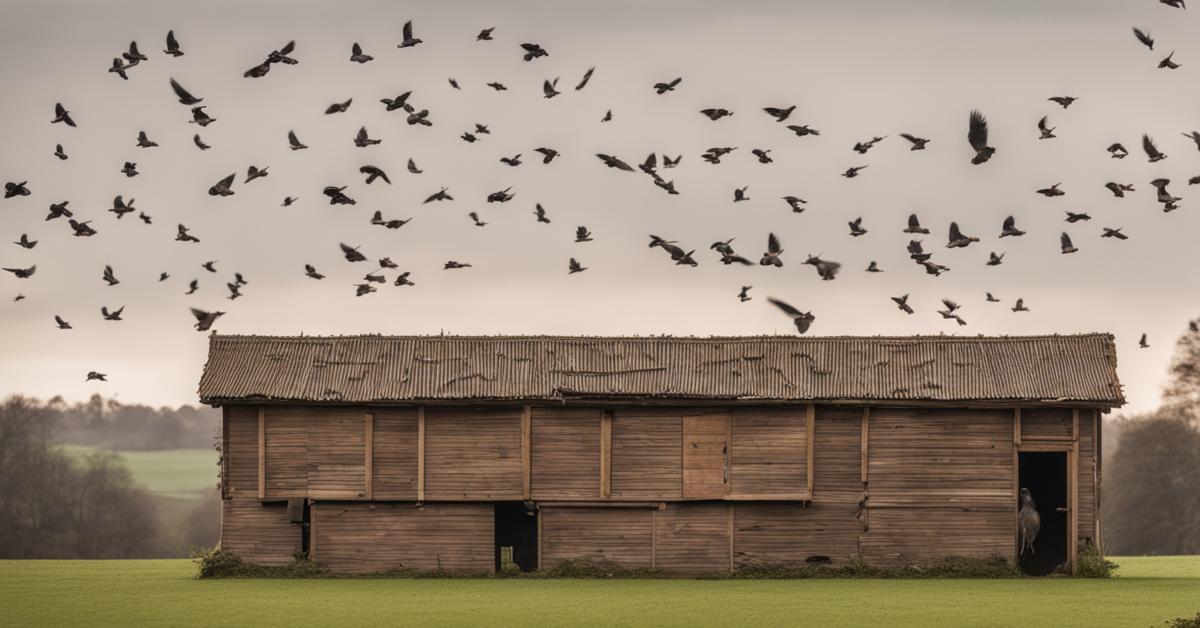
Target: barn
686, 455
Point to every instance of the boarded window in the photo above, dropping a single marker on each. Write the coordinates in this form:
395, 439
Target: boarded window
472, 453
705, 456
646, 447
769, 452
565, 447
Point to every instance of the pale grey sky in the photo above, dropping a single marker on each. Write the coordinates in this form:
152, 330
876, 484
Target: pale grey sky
854, 70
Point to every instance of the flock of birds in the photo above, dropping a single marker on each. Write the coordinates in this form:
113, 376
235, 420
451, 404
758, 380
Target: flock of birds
977, 136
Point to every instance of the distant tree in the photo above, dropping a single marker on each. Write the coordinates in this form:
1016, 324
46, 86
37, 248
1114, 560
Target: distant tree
1182, 392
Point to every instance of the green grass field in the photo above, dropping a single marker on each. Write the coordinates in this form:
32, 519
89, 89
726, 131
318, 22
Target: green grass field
167, 593
173, 472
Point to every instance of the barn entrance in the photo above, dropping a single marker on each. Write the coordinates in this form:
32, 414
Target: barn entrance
516, 532
1044, 473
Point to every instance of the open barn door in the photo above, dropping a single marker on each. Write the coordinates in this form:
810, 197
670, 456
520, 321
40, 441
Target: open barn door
1044, 474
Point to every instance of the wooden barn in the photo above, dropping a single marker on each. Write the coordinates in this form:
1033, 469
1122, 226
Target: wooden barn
685, 455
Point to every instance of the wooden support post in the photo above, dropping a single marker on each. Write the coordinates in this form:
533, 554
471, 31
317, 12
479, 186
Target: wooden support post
420, 453
606, 418
1016, 426
1097, 457
866, 418
526, 450
1016, 473
312, 531
732, 507
369, 455
810, 420
262, 453
654, 538
1073, 486
539, 540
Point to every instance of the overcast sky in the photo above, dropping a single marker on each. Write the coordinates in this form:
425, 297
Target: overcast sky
854, 70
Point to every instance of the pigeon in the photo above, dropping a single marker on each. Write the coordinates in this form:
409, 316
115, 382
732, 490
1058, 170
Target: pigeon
1167, 63
917, 252
501, 196
1047, 131
513, 161
957, 239
977, 137
614, 162
288, 200
93, 375
377, 219
1194, 136
311, 272
574, 267
294, 142
129, 169
1118, 189
802, 320
485, 34
549, 88
407, 32
337, 196
339, 107
58, 210
902, 303
582, 234
61, 323
914, 225
417, 117
205, 320
134, 56
163, 276
1117, 151
950, 315
950, 305
587, 76
440, 195
119, 68
862, 147
114, 315
607, 116
109, 277
780, 113
715, 114
1178, 4
1073, 217
412, 167
1020, 306
398, 102
210, 266
1144, 37
201, 117
762, 154
933, 269
193, 286
677, 254
352, 254
1051, 191
548, 154
185, 97
1010, 228
362, 140
533, 51
363, 289
918, 143
774, 250
81, 229
744, 294
669, 86
1151, 150
184, 236
58, 152
802, 130
451, 265
659, 241
540, 212
1113, 233
25, 243
827, 270
387, 262
500, 87
852, 172
172, 45
1065, 241
475, 218
373, 173
671, 163
1065, 101
874, 267
254, 172
62, 115
223, 187
713, 155
1142, 344
356, 54
143, 141
739, 194
994, 259
200, 143
992, 299
795, 203
23, 273
856, 228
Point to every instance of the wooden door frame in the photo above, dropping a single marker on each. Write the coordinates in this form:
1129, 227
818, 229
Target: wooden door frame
1072, 454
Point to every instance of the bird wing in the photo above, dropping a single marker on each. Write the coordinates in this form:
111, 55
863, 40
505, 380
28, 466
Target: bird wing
587, 76
1143, 37
227, 181
787, 309
913, 221
1066, 240
292, 139
288, 48
1149, 147
183, 94
908, 137
773, 244
955, 234
199, 314
1042, 123
977, 131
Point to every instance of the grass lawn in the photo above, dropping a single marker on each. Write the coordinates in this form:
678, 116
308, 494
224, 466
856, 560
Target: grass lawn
172, 472
166, 593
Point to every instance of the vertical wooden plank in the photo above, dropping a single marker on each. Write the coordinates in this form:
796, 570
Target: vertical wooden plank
369, 453
539, 539
730, 507
810, 425
1097, 427
527, 453
654, 537
866, 417
1073, 520
262, 453
1016, 426
606, 417
420, 453
312, 531
1016, 471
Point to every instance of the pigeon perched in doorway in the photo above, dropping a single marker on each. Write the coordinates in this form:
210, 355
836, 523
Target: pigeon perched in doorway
1029, 522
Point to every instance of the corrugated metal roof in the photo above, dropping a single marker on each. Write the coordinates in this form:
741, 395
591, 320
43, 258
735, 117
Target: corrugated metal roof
366, 369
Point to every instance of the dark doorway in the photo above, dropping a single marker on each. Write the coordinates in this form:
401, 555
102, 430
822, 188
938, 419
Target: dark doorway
517, 528
1045, 475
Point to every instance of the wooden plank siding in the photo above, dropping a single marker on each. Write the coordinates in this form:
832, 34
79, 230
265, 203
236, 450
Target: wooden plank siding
239, 453
317, 452
374, 537
394, 454
706, 456
1046, 424
565, 449
769, 452
620, 535
472, 453
259, 533
693, 538
646, 460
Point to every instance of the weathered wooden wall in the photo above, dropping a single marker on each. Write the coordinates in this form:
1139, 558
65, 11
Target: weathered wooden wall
769, 452
646, 461
372, 537
565, 446
1086, 506
472, 453
624, 536
394, 454
259, 533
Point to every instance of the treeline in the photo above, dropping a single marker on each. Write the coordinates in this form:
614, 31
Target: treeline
54, 504
1150, 493
109, 424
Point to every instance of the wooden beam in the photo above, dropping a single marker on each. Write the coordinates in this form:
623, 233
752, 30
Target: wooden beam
1097, 458
1016, 472
526, 451
654, 538
369, 454
731, 508
539, 540
606, 418
866, 419
420, 453
810, 419
262, 453
312, 531
1016, 426
1073, 473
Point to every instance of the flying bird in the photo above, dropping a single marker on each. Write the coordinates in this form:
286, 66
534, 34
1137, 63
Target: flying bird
587, 76
25, 243
1065, 101
1151, 150
533, 51
58, 320
1166, 63
62, 115
1047, 131
205, 320
373, 173
744, 294
574, 266
352, 254
802, 320
977, 137
185, 97
1051, 191
902, 303
97, 376
780, 113
1117, 151
172, 45
1144, 37
669, 86
109, 277
224, 187
407, 32
294, 142
774, 250
339, 107
918, 143
23, 273
715, 114
914, 225
957, 239
1065, 241
356, 54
